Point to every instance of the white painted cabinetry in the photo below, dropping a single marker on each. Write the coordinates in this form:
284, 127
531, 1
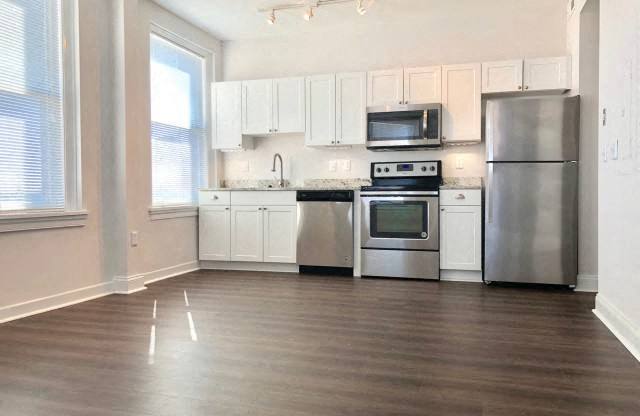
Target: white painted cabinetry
539, 74
247, 226
419, 85
547, 74
336, 109
461, 230
385, 87
273, 106
226, 115
461, 103
423, 85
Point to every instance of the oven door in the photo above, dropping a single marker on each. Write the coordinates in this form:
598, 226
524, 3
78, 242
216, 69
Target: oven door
417, 127
400, 222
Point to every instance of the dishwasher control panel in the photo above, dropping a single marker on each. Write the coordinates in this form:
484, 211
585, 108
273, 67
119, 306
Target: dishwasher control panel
405, 169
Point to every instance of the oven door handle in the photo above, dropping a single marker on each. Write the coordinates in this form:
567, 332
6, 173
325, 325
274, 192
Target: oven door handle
387, 194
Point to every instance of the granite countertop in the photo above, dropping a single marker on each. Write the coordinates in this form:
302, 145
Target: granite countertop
330, 185
461, 183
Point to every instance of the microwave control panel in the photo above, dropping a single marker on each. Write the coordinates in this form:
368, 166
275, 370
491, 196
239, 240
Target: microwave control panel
405, 169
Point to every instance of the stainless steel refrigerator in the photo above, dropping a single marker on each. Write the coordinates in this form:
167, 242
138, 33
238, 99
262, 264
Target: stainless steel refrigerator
531, 199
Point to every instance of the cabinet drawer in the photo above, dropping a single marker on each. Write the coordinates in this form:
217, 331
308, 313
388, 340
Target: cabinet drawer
461, 197
263, 198
214, 198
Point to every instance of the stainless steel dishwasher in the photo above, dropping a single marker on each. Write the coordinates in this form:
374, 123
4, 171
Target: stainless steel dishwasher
325, 232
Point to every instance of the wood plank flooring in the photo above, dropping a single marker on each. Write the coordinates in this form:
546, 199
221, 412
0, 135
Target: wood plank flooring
275, 345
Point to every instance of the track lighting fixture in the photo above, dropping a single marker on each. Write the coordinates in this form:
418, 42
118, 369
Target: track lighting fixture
271, 19
308, 14
360, 7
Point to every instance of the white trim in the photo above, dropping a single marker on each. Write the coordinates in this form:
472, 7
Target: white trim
249, 266
41, 219
176, 211
126, 285
619, 325
587, 283
59, 300
461, 276
172, 271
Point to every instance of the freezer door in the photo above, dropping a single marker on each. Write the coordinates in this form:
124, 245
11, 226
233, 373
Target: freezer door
531, 223
532, 129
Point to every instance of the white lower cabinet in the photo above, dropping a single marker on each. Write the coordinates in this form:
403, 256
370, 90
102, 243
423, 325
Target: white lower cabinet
230, 229
214, 233
461, 232
246, 233
280, 233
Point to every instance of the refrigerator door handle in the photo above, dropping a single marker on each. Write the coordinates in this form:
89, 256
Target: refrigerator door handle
489, 202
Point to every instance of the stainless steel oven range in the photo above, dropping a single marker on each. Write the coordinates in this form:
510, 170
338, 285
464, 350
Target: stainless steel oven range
400, 220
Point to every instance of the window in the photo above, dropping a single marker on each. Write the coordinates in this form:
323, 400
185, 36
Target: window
178, 123
38, 134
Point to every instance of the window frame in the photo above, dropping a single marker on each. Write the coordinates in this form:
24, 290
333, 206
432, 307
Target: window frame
162, 212
73, 214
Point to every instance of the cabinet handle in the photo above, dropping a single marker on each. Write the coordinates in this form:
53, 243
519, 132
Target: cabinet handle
400, 102
338, 142
264, 209
227, 209
214, 197
259, 209
406, 102
442, 209
519, 87
526, 88
461, 196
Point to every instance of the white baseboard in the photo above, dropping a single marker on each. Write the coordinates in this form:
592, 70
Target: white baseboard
587, 283
249, 266
59, 300
625, 330
126, 285
461, 276
172, 271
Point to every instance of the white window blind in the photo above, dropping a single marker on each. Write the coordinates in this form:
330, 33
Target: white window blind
178, 143
32, 138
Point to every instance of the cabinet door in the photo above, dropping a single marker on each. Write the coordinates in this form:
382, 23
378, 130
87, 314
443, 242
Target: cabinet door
423, 85
214, 224
226, 112
547, 73
460, 238
502, 76
385, 87
280, 233
351, 108
257, 112
321, 110
288, 105
461, 103
246, 233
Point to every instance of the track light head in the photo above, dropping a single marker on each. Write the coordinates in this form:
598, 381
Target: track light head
308, 15
271, 19
360, 8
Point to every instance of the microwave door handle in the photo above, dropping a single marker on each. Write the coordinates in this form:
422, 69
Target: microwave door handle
425, 124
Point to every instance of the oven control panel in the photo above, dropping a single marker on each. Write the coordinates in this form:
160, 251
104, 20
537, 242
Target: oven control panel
405, 169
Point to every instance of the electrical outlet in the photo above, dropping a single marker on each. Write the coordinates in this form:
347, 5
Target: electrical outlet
345, 165
614, 151
333, 165
135, 238
459, 162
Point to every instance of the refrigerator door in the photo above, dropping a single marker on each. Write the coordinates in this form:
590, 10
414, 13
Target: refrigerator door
532, 129
531, 223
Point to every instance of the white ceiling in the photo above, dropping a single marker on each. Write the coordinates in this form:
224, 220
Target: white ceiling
239, 19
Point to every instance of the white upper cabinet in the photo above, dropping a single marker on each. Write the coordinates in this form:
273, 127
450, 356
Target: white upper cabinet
351, 108
502, 76
423, 85
288, 105
257, 110
547, 73
321, 110
226, 115
385, 87
461, 103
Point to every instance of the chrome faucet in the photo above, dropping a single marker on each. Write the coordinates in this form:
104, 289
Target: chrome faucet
273, 169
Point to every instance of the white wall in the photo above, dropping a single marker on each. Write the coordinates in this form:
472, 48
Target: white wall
618, 300
454, 32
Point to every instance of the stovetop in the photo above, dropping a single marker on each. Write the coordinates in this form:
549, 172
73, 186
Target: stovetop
424, 176
399, 188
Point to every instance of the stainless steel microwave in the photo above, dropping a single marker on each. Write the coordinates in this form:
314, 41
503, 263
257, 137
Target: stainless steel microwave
404, 127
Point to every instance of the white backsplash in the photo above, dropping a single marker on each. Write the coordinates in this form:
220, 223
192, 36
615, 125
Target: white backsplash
302, 162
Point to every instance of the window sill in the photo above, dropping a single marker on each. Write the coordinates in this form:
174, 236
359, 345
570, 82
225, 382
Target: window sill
41, 220
168, 212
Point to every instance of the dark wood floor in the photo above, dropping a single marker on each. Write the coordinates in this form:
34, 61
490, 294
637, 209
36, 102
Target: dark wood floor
276, 345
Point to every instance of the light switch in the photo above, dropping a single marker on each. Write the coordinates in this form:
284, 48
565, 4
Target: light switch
135, 239
345, 165
459, 162
333, 165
